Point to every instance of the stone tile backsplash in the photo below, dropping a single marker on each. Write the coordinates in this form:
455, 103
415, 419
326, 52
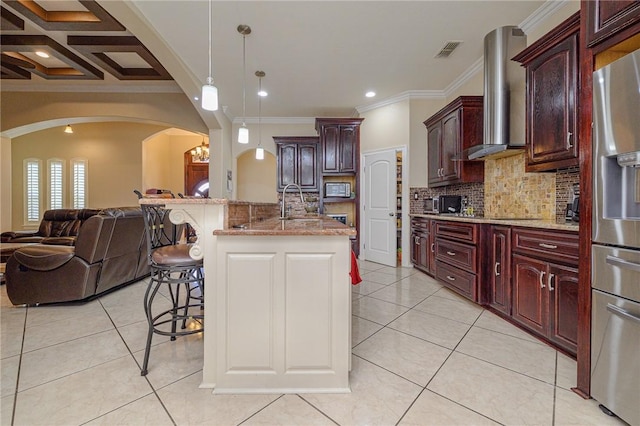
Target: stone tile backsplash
508, 191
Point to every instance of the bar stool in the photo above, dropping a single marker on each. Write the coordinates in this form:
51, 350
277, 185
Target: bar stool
174, 270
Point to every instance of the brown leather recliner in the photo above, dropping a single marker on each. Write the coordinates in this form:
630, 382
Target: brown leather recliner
110, 250
59, 226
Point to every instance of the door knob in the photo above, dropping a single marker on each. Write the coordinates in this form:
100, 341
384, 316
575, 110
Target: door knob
392, 214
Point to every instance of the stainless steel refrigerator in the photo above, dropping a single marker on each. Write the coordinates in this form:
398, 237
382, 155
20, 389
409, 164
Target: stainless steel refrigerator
615, 321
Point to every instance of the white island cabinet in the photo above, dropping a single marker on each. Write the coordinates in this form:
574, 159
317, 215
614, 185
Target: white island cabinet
277, 297
282, 314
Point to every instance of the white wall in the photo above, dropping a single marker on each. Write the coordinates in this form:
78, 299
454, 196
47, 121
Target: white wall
257, 181
5, 184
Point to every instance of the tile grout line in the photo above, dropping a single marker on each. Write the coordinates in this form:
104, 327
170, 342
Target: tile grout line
15, 393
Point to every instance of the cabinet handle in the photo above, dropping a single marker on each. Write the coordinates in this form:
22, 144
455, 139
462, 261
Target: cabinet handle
495, 269
433, 247
450, 278
541, 281
442, 172
569, 144
416, 240
451, 253
551, 276
549, 246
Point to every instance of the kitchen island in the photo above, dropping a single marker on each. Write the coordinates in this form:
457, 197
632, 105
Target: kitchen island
277, 297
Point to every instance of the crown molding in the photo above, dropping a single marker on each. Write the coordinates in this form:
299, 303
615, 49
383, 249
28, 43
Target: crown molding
274, 120
542, 13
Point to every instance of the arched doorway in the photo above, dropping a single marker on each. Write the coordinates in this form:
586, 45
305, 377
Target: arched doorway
196, 171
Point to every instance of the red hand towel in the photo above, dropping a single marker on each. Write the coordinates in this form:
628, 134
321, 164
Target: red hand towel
355, 274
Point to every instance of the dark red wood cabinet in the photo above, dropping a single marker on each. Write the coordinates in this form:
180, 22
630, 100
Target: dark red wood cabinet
607, 18
499, 270
545, 284
297, 162
340, 139
551, 98
420, 243
451, 130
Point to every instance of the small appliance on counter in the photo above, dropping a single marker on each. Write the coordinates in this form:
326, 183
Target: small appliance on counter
337, 189
573, 208
441, 204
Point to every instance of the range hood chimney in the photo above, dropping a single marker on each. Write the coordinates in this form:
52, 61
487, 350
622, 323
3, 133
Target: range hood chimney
504, 95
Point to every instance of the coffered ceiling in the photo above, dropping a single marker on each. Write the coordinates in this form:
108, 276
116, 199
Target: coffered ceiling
71, 40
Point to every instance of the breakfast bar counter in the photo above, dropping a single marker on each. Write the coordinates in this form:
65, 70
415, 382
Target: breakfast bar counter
277, 297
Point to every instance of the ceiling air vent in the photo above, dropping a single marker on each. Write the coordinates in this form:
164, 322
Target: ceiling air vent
448, 49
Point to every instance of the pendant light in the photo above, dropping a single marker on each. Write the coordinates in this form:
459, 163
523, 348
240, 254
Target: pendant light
260, 149
209, 91
68, 129
243, 131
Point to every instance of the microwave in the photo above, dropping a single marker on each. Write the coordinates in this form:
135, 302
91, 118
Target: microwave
443, 204
337, 189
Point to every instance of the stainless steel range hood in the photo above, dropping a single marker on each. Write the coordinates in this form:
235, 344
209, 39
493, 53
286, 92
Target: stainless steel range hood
504, 95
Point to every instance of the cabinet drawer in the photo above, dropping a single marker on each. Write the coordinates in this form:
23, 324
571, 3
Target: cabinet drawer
457, 254
420, 224
465, 232
458, 280
555, 246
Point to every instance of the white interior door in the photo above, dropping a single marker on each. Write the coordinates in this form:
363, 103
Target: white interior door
380, 207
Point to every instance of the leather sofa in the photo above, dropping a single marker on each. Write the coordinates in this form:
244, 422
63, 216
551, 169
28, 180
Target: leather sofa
110, 251
59, 226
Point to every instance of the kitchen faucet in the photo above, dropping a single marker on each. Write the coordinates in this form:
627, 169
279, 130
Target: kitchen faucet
284, 192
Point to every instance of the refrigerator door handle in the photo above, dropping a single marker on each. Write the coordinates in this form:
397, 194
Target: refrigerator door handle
622, 313
625, 264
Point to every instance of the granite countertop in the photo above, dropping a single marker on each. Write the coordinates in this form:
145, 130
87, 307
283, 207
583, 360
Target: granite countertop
199, 200
529, 223
300, 225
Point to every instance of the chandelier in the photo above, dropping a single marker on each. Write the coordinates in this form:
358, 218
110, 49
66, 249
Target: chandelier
200, 154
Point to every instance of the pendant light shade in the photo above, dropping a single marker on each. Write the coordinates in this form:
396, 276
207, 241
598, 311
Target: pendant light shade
68, 129
243, 131
210, 96
243, 134
260, 149
209, 91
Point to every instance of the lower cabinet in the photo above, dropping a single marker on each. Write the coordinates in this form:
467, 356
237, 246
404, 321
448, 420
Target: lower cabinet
420, 237
545, 292
456, 254
527, 275
498, 274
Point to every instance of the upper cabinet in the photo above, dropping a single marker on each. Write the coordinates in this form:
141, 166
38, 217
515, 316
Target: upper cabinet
608, 18
339, 138
552, 92
451, 130
297, 162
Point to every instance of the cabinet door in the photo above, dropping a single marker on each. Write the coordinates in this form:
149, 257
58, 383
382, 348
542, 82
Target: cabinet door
434, 135
419, 250
500, 273
287, 165
529, 304
563, 306
307, 166
552, 80
605, 18
450, 146
431, 249
330, 149
347, 149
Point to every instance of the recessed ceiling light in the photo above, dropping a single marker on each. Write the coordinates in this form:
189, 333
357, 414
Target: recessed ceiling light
42, 54
370, 94
195, 98
262, 93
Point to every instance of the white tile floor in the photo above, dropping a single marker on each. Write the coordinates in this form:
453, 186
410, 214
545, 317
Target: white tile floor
422, 356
